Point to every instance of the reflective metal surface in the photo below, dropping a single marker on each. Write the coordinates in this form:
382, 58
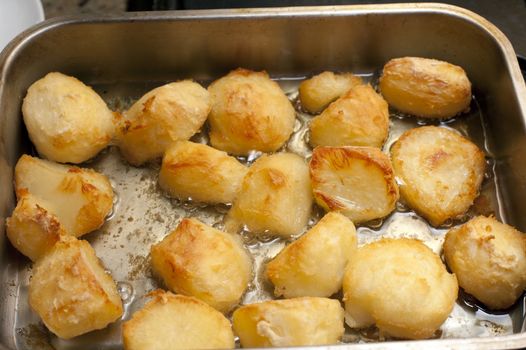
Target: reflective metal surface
124, 57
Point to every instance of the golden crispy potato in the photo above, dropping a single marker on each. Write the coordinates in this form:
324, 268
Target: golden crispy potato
249, 112
489, 260
275, 197
314, 264
355, 181
80, 198
32, 229
169, 322
169, 113
290, 322
200, 172
440, 172
401, 286
203, 262
359, 118
425, 87
320, 90
71, 292
66, 120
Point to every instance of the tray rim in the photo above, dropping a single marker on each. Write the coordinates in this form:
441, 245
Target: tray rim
10, 52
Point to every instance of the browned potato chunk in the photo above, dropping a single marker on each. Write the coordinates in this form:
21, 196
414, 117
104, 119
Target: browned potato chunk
401, 286
320, 90
80, 198
71, 292
489, 259
275, 197
440, 172
290, 322
249, 112
203, 262
200, 172
32, 229
358, 118
169, 322
66, 120
355, 181
314, 264
169, 113
425, 87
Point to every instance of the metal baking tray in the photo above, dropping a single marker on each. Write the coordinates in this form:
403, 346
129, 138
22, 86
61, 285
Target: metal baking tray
123, 57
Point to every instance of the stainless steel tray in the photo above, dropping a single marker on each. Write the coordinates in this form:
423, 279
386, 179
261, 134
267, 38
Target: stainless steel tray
122, 57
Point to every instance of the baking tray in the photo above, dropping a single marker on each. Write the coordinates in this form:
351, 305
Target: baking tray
123, 57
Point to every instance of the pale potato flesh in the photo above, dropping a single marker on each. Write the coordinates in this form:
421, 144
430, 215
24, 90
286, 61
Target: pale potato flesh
355, 181
489, 260
169, 322
201, 261
249, 112
169, 113
80, 198
275, 197
71, 292
401, 286
425, 87
314, 264
317, 92
290, 322
66, 120
32, 229
440, 172
358, 118
200, 172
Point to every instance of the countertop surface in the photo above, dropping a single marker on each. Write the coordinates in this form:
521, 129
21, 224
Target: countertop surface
508, 15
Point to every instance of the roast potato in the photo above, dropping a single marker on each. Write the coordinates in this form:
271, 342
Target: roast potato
32, 229
489, 260
425, 87
71, 292
249, 112
314, 264
401, 286
317, 92
202, 173
290, 322
440, 172
200, 261
355, 181
169, 322
359, 118
172, 112
275, 197
66, 120
80, 198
